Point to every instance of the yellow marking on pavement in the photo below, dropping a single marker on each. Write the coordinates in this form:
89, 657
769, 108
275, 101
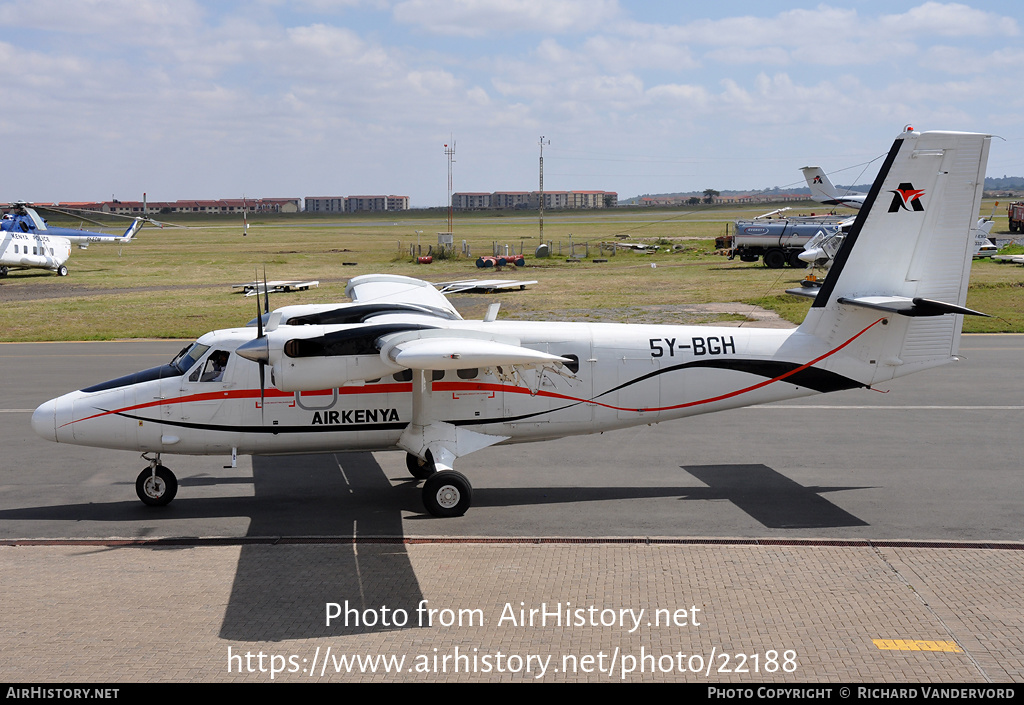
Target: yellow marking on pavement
914, 645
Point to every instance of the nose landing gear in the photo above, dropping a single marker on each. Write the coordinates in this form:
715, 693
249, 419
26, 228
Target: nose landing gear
156, 485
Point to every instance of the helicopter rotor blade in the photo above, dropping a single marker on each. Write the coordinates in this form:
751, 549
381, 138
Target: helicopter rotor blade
76, 213
69, 214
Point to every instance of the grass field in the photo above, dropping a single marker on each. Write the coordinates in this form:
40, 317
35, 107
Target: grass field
176, 283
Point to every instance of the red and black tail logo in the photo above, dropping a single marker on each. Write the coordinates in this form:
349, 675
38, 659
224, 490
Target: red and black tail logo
907, 198
817, 179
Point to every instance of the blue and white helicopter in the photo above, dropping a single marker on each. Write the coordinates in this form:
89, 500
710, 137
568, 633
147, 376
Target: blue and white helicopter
27, 242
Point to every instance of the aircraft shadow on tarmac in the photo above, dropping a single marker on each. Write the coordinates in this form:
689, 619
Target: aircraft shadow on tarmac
287, 593
280, 595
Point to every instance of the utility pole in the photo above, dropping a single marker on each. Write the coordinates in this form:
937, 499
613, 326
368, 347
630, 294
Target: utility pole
542, 188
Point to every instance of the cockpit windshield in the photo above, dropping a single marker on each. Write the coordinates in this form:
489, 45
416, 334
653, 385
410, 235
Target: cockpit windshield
188, 356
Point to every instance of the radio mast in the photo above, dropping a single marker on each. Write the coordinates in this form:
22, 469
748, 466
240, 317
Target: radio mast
449, 152
542, 188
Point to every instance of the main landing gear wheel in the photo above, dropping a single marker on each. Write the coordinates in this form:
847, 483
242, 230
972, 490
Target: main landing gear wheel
447, 494
156, 490
62, 271
420, 469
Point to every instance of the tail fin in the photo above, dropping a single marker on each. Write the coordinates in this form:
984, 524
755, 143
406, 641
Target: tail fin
820, 185
135, 227
898, 284
823, 191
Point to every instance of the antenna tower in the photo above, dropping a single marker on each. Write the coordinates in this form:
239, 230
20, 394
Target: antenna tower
542, 188
449, 151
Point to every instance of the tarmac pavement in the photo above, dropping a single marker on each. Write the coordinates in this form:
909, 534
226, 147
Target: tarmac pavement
854, 537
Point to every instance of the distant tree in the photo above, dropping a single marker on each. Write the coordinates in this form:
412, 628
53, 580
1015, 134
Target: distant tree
709, 195
693, 200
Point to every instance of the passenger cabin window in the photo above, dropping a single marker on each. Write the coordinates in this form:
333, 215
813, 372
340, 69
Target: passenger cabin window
469, 373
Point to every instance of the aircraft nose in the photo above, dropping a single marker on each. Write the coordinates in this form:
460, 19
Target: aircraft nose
811, 256
44, 420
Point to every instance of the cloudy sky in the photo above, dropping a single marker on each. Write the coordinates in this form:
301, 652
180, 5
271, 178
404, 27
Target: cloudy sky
186, 99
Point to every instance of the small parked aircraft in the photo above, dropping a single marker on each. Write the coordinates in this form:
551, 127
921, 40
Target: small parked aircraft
823, 191
398, 367
821, 249
27, 242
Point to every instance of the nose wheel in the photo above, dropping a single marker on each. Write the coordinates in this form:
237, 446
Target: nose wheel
156, 486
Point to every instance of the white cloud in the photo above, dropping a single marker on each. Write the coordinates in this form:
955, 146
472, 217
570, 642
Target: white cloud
949, 20
477, 18
226, 93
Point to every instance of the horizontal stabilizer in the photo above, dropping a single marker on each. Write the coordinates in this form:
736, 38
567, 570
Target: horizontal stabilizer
459, 353
909, 307
808, 292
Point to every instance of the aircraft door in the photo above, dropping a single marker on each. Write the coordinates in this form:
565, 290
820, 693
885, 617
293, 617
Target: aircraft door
207, 391
566, 393
636, 389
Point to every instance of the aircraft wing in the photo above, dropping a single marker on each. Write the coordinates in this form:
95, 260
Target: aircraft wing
394, 288
276, 287
482, 285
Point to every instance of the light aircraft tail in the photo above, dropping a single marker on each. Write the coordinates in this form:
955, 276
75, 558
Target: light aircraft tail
135, 227
820, 185
823, 191
893, 301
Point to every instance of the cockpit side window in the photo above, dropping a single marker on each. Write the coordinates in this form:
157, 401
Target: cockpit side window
213, 370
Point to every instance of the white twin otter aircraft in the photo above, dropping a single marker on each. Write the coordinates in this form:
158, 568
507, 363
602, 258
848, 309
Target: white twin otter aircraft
398, 368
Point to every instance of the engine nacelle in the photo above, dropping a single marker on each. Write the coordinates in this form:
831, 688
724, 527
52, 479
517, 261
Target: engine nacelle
311, 357
307, 374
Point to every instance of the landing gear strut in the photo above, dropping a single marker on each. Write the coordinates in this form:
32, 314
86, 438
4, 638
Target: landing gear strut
156, 485
420, 469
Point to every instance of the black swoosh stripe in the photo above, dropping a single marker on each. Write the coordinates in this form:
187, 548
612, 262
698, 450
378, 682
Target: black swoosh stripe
811, 377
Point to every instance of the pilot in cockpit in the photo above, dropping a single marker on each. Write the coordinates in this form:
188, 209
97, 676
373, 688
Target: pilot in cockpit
215, 366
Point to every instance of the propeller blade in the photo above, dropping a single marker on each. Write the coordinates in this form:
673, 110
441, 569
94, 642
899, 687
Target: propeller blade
266, 293
259, 314
263, 386
259, 335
